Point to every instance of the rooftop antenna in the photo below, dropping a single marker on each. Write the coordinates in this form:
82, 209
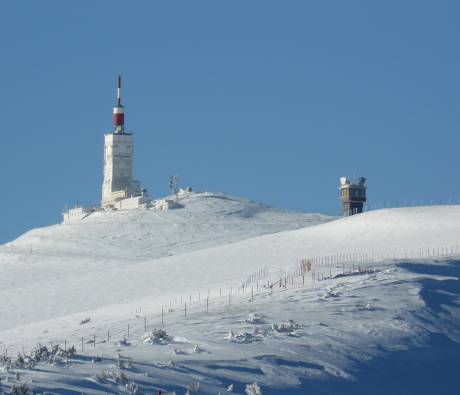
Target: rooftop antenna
118, 91
173, 185
118, 111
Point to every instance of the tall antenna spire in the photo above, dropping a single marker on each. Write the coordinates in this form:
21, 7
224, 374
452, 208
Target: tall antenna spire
118, 111
118, 91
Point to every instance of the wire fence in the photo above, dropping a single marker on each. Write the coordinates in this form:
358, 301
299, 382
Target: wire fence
393, 203
306, 272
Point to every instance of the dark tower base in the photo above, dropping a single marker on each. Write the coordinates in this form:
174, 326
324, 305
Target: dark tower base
353, 196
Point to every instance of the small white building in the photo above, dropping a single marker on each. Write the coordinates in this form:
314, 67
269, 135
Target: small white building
164, 204
77, 214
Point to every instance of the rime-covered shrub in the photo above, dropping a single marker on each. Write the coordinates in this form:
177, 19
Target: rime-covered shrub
285, 327
197, 349
21, 389
132, 388
39, 353
42, 354
71, 351
118, 377
253, 389
156, 336
255, 319
124, 342
243, 336
5, 361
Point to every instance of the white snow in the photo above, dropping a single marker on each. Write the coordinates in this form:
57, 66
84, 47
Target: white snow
124, 268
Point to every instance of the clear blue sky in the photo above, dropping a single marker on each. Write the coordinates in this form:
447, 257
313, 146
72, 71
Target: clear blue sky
269, 100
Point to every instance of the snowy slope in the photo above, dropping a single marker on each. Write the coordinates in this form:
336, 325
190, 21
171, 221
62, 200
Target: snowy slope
113, 267
109, 256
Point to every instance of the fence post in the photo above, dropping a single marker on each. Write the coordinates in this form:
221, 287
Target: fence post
145, 324
162, 316
108, 336
128, 330
185, 309
82, 344
94, 341
207, 304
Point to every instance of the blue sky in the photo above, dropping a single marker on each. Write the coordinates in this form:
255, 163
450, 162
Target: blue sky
269, 100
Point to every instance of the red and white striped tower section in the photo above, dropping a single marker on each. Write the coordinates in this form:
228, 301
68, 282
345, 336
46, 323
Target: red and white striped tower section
118, 111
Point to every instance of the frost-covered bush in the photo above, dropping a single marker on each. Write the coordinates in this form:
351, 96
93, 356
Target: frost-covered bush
243, 336
71, 351
42, 354
197, 349
253, 389
117, 377
39, 353
193, 389
156, 336
85, 321
20, 361
285, 327
255, 319
132, 388
19, 390
124, 342
5, 361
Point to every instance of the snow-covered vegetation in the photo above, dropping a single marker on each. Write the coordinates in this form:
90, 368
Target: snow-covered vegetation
215, 297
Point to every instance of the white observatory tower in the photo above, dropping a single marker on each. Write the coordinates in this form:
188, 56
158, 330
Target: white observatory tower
118, 161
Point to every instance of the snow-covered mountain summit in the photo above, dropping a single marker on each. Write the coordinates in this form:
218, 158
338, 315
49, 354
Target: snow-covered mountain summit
202, 220
114, 256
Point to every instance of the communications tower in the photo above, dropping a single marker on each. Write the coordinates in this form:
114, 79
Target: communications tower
352, 195
118, 159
